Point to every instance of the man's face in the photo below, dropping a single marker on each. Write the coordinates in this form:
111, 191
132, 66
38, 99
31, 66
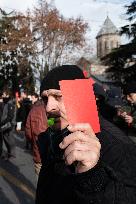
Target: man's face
131, 97
55, 107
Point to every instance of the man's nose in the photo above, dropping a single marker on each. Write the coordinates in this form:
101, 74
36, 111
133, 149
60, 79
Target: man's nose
51, 104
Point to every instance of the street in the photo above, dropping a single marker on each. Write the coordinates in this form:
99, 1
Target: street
17, 177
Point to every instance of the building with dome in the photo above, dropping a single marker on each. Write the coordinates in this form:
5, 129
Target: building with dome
107, 38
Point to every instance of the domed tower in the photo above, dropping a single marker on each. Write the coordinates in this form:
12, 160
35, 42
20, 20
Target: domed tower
107, 38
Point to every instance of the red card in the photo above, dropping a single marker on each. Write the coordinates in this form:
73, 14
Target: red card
80, 103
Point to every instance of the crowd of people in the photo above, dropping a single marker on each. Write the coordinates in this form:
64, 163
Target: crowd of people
73, 164
13, 116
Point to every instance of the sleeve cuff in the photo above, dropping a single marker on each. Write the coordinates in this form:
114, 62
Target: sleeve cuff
91, 181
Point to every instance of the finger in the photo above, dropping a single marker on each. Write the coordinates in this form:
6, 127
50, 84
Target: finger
83, 157
80, 146
124, 114
83, 127
76, 136
127, 117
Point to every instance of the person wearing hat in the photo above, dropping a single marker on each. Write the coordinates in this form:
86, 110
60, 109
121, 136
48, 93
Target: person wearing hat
126, 115
79, 166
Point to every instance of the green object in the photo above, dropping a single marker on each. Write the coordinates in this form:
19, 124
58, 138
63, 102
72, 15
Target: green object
51, 121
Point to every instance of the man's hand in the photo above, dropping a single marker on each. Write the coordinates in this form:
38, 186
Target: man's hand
123, 114
128, 119
81, 146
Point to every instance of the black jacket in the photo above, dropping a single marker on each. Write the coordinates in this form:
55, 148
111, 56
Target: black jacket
111, 181
23, 111
8, 113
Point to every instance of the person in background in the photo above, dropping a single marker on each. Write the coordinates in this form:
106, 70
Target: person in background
7, 125
79, 166
18, 125
126, 114
113, 102
25, 107
101, 97
34, 98
36, 123
22, 113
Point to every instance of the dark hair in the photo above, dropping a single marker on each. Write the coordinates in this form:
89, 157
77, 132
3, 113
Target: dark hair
8, 92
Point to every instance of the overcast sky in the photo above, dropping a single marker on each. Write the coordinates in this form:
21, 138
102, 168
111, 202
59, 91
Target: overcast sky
93, 11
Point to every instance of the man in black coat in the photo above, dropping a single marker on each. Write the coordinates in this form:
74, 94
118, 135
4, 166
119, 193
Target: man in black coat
7, 125
22, 114
82, 167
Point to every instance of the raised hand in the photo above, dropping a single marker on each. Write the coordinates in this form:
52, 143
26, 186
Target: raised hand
81, 146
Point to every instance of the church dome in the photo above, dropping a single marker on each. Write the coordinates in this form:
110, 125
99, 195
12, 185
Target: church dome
107, 28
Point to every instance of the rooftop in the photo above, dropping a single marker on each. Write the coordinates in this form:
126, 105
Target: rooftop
107, 28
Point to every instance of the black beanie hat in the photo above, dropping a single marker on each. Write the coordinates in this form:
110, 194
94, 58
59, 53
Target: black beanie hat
130, 88
64, 72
